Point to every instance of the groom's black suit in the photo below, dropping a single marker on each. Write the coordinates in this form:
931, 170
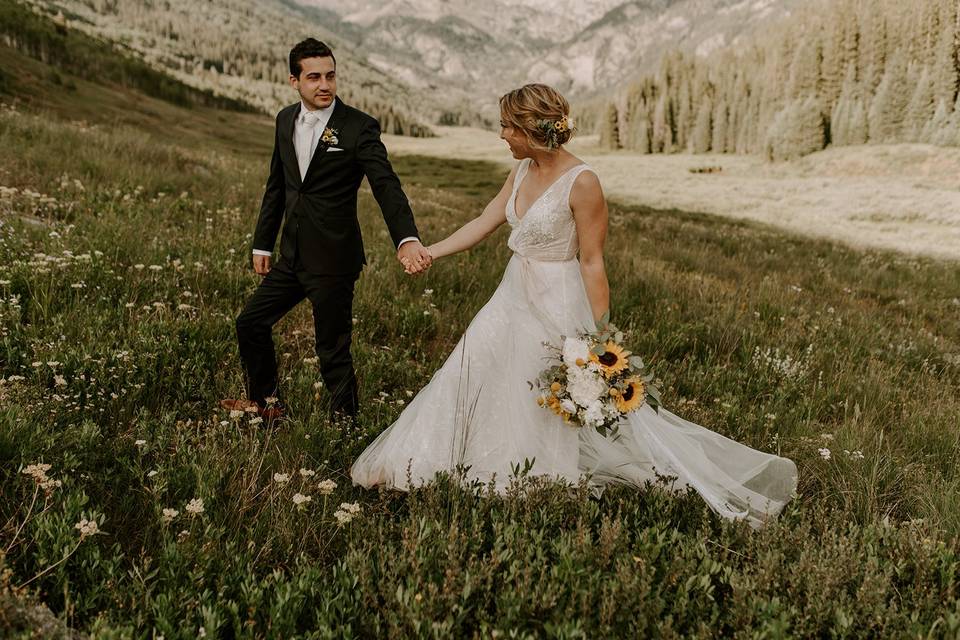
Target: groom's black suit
321, 251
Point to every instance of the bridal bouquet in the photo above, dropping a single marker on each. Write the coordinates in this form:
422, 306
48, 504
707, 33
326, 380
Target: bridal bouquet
595, 381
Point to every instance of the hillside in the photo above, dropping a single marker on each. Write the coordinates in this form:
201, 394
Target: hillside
117, 337
237, 49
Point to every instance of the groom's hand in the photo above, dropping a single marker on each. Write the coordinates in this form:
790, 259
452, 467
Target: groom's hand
414, 257
261, 264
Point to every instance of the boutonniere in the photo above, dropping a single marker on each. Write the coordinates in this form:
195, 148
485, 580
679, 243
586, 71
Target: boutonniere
329, 136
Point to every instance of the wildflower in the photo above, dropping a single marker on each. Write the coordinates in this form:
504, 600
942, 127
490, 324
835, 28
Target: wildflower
140, 443
236, 414
195, 506
255, 420
87, 528
350, 507
824, 453
37, 471
281, 478
326, 487
169, 515
346, 512
307, 473
299, 499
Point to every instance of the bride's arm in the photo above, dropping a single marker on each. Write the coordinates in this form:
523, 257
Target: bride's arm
590, 214
494, 214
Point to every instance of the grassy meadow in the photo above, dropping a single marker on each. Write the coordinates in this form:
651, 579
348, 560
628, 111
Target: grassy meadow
124, 259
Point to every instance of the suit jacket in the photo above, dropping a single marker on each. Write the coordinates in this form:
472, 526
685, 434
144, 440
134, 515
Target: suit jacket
319, 213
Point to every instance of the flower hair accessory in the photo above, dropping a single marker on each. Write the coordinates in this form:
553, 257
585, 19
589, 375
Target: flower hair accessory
553, 128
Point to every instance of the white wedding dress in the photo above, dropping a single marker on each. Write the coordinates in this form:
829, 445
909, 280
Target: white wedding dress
479, 412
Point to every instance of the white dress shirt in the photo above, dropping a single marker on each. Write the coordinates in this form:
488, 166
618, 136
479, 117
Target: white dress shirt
302, 130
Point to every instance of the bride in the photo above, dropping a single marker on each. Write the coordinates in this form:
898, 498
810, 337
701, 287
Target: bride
478, 411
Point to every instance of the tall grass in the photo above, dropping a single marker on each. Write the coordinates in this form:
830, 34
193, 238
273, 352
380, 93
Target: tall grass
124, 263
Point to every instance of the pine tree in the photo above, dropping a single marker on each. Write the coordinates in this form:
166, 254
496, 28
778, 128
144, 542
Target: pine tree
720, 118
921, 107
702, 132
610, 131
888, 110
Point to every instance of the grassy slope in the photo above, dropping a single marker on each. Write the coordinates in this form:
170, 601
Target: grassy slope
701, 295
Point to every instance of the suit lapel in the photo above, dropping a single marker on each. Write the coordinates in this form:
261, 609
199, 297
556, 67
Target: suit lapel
288, 154
335, 122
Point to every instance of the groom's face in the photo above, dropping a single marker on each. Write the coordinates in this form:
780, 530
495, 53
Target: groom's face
317, 83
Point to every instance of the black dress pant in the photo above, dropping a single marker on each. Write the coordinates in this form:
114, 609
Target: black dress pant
332, 299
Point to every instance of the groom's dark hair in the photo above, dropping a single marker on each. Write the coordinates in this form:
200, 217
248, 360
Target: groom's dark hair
309, 48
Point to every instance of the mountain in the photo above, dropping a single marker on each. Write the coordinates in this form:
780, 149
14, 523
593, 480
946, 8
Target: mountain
238, 49
472, 52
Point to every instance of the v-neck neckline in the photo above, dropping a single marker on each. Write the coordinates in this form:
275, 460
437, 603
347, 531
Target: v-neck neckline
516, 191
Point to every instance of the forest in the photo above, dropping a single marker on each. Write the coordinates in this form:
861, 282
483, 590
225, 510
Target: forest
844, 72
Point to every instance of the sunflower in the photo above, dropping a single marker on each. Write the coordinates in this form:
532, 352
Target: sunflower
632, 397
613, 360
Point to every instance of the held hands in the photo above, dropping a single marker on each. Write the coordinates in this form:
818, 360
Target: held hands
414, 257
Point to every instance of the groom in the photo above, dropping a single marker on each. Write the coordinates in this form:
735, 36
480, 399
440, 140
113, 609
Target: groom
322, 150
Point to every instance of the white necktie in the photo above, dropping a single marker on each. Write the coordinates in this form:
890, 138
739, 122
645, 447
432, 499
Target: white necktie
306, 130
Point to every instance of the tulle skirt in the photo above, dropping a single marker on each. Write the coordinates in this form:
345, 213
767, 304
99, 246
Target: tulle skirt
479, 415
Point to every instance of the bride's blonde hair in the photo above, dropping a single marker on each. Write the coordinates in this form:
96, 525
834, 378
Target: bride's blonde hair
540, 112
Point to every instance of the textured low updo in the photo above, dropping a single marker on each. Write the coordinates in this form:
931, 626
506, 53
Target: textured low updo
540, 112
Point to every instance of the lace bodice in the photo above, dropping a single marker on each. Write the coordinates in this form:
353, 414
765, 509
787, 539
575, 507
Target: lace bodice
546, 231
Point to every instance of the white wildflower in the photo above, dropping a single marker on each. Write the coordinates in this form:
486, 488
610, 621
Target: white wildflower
299, 499
307, 473
280, 478
87, 528
169, 515
824, 453
195, 506
326, 487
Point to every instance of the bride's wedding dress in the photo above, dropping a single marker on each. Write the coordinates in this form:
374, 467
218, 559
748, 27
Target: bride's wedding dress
479, 412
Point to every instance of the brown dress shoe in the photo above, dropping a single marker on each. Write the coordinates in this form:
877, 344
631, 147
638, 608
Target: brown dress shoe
240, 404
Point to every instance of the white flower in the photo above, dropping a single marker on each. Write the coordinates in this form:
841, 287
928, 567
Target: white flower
824, 453
346, 512
594, 414
256, 420
280, 478
307, 473
350, 507
169, 515
37, 471
60, 381
236, 414
300, 499
575, 349
584, 387
87, 528
326, 487
140, 443
195, 506
568, 405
